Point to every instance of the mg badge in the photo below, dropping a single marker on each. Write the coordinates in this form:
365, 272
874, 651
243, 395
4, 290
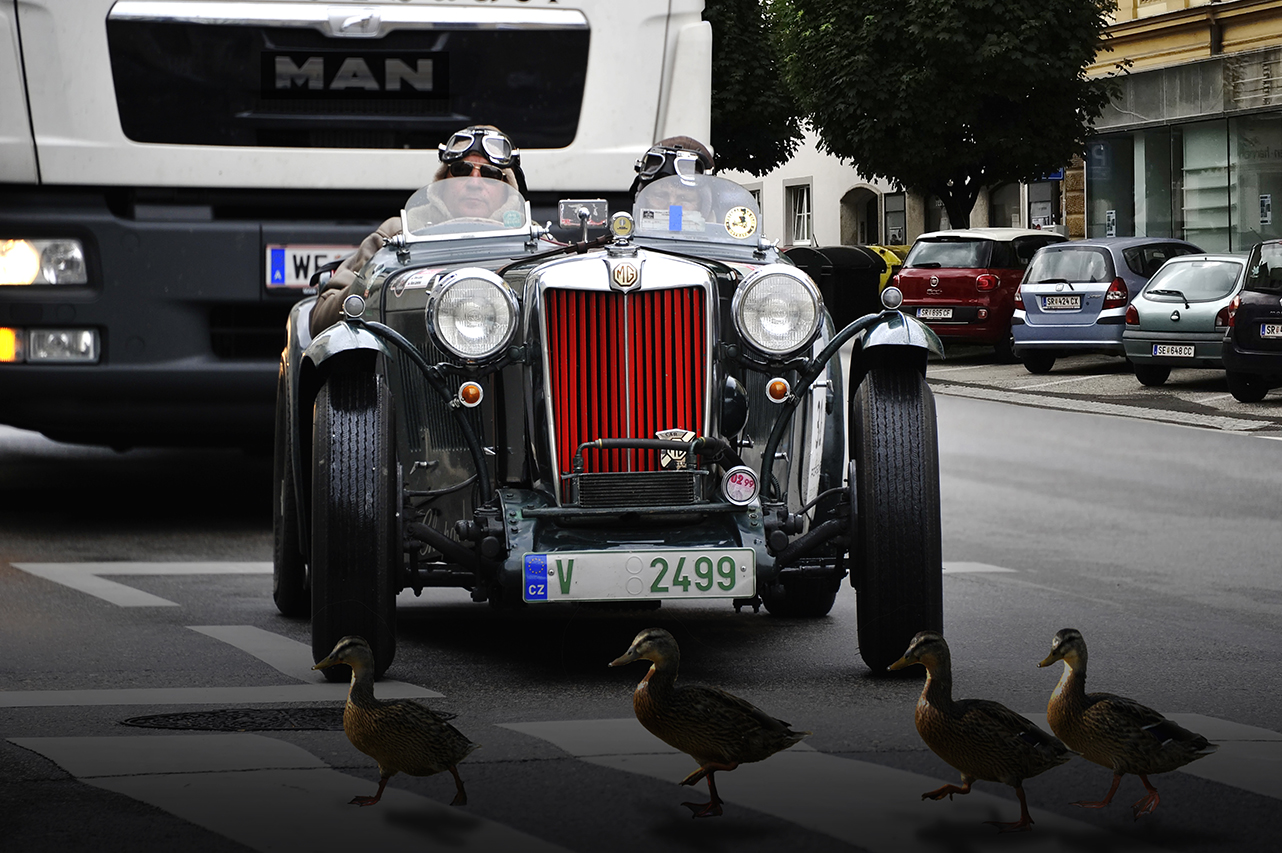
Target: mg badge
626, 275
674, 460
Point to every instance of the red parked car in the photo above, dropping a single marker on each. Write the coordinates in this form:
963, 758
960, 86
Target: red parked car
962, 283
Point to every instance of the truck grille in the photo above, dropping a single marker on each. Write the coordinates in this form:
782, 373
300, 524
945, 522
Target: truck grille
624, 366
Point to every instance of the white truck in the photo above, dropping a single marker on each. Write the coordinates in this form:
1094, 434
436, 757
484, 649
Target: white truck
173, 171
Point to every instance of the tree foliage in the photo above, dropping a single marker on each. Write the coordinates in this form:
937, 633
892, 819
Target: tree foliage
946, 96
755, 124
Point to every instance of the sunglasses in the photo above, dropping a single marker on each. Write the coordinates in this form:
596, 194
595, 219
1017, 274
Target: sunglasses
464, 169
495, 146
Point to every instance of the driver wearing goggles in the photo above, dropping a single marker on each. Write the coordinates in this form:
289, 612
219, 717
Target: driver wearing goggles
483, 154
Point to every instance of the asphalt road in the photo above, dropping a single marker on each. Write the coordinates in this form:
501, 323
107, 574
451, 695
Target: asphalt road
137, 584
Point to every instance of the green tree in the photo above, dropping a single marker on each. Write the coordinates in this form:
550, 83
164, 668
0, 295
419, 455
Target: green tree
947, 96
755, 124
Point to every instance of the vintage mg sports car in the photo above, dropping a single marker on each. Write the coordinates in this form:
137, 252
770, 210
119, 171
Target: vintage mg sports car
656, 414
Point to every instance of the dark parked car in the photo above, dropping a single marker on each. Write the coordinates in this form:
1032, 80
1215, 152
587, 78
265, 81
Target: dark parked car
962, 283
1074, 296
1253, 343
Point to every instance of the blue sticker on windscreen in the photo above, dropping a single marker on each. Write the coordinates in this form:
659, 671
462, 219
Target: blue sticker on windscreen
536, 577
674, 217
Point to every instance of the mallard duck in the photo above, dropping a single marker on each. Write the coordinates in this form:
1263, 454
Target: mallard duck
1113, 731
717, 729
402, 735
980, 738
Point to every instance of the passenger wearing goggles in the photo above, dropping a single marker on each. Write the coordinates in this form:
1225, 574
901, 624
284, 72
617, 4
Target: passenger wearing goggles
676, 155
481, 156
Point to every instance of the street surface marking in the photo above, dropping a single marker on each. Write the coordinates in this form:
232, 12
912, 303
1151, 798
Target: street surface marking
87, 577
288, 656
273, 796
1249, 758
1055, 382
975, 568
933, 370
1093, 407
871, 806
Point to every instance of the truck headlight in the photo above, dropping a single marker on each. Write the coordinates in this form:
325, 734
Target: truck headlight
472, 313
777, 309
25, 262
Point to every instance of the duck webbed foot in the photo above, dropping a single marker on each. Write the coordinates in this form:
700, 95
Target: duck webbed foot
460, 795
1025, 822
947, 791
1147, 803
712, 808
369, 801
1108, 798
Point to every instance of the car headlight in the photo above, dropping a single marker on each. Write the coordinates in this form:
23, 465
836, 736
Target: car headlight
777, 309
42, 262
472, 313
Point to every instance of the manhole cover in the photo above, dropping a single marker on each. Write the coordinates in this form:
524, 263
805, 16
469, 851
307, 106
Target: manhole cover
246, 720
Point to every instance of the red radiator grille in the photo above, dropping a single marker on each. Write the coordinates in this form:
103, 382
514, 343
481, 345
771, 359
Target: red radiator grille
624, 366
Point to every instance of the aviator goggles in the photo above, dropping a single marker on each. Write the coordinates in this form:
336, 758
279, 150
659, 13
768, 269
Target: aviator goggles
465, 169
491, 144
662, 161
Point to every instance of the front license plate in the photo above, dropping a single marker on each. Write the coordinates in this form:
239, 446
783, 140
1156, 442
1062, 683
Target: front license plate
1177, 350
1061, 303
292, 265
623, 575
1271, 330
935, 313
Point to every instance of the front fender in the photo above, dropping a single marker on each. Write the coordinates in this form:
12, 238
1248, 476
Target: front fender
340, 338
895, 328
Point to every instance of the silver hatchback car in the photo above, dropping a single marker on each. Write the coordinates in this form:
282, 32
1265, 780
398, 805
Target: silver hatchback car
1180, 317
1074, 295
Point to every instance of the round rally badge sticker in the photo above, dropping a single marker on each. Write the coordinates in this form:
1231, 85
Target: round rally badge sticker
740, 222
512, 218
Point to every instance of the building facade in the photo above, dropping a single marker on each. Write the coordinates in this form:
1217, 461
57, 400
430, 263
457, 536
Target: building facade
1193, 146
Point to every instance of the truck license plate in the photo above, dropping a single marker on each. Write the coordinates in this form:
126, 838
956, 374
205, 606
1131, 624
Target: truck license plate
935, 313
1060, 303
622, 575
290, 266
1176, 350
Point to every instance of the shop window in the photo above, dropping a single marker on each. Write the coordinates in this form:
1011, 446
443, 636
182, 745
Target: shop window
896, 218
1003, 206
1255, 162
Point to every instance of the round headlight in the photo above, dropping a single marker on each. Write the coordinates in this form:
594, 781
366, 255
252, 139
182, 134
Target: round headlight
472, 313
777, 309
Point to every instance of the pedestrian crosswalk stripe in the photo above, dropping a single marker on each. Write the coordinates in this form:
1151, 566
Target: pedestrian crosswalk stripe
89, 577
871, 806
273, 796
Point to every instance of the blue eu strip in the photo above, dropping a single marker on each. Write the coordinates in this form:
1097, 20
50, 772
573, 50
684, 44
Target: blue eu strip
278, 266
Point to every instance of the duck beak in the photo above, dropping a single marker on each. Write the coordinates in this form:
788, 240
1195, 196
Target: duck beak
901, 663
329, 661
627, 657
1050, 659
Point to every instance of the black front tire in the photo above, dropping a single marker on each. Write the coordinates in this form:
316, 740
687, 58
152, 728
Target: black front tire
1245, 387
290, 588
897, 544
1038, 363
356, 552
1152, 375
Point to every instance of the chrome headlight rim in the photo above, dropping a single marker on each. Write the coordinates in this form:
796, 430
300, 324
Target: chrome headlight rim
755, 279
442, 288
